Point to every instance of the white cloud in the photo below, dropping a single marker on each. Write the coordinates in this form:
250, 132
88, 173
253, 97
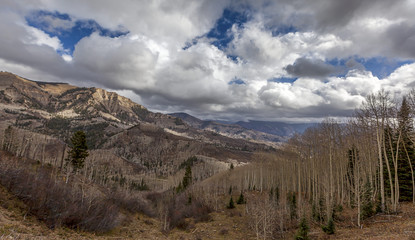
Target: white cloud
38, 37
150, 61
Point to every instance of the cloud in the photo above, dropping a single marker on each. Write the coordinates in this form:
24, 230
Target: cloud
304, 67
270, 40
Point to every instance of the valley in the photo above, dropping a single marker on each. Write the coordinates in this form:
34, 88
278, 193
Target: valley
155, 176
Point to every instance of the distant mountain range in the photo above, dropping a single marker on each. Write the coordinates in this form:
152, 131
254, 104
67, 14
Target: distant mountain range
276, 128
258, 130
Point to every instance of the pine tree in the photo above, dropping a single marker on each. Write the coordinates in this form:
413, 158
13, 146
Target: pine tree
231, 204
367, 203
329, 228
378, 207
406, 152
187, 179
302, 233
241, 199
293, 205
79, 151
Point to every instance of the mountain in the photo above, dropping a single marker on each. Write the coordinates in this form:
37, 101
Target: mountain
126, 140
276, 128
230, 130
261, 131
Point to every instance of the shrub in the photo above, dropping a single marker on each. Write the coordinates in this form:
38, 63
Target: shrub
179, 210
56, 203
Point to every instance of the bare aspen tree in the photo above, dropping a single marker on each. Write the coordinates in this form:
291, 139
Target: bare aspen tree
375, 110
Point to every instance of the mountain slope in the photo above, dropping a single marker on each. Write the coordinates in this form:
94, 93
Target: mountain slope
43, 116
276, 128
230, 130
60, 99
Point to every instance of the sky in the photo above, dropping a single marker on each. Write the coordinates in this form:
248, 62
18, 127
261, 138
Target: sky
274, 60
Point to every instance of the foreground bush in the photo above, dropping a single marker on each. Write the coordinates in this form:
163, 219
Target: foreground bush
56, 203
174, 209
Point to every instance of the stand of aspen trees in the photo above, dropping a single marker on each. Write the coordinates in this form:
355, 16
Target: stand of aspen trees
364, 162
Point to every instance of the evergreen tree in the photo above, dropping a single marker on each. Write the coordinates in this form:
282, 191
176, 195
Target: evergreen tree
292, 201
378, 207
277, 194
367, 203
406, 150
241, 199
302, 233
231, 204
187, 179
79, 151
329, 228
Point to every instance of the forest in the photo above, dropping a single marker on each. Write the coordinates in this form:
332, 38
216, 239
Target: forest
362, 164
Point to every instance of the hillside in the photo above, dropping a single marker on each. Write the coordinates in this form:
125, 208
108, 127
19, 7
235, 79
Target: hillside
42, 116
276, 128
230, 130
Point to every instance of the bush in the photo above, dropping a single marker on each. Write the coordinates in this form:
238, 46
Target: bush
178, 209
56, 203
132, 203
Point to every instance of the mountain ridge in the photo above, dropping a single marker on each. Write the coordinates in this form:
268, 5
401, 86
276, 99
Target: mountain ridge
112, 123
258, 130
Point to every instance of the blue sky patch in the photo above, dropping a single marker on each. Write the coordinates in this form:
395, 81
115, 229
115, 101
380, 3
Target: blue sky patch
68, 30
381, 67
221, 31
237, 81
283, 80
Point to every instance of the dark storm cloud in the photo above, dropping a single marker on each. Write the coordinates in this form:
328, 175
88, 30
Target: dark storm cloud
402, 37
329, 15
304, 67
